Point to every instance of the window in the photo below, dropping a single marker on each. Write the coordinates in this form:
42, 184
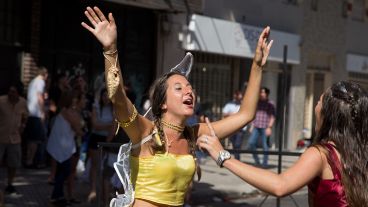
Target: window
366, 10
347, 7
314, 5
212, 79
292, 2
11, 22
358, 10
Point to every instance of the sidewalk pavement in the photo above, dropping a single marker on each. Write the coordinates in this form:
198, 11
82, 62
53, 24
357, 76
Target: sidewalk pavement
34, 191
218, 187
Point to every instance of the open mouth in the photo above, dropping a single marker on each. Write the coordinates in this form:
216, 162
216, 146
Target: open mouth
188, 102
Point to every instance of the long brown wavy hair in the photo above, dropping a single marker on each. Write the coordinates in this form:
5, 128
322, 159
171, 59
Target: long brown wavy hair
158, 99
344, 115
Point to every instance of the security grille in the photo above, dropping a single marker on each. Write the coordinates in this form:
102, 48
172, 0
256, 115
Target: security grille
211, 77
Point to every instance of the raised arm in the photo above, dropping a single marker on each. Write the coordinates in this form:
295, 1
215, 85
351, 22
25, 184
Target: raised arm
309, 166
246, 113
105, 32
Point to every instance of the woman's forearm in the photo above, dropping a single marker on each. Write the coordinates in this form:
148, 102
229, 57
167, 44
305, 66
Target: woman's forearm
265, 180
233, 123
113, 76
115, 86
302, 172
251, 95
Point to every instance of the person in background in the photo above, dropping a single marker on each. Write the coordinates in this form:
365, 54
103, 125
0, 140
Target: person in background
334, 167
230, 108
61, 145
111, 182
13, 117
102, 131
78, 105
35, 129
80, 84
62, 85
108, 172
262, 125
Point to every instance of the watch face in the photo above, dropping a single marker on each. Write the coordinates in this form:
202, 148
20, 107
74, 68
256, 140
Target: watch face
225, 154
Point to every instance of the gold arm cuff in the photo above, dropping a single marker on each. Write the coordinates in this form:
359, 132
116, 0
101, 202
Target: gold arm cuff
132, 117
110, 52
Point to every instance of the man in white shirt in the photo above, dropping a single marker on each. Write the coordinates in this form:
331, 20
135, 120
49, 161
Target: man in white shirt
35, 130
230, 108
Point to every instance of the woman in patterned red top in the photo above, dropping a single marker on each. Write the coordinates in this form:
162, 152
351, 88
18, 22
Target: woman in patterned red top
334, 168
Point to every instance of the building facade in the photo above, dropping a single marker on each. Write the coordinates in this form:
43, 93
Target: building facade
49, 33
324, 39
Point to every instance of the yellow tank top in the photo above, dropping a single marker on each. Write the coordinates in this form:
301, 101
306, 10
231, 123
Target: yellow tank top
163, 178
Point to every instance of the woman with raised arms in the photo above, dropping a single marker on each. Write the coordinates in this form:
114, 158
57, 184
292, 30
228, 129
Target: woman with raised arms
162, 157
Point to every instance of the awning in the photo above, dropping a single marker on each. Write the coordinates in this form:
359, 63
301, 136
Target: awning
357, 63
219, 36
166, 5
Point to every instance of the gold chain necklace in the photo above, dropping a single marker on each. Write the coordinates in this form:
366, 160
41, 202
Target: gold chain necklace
168, 142
173, 126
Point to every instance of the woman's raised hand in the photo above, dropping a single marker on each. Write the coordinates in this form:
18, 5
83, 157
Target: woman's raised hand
103, 29
263, 48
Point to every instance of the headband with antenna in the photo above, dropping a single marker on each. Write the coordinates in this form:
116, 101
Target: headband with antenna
184, 67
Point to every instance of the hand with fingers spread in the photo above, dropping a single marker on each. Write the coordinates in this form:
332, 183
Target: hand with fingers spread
103, 29
211, 143
263, 48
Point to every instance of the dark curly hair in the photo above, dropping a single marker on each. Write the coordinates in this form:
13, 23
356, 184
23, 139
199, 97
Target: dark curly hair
344, 116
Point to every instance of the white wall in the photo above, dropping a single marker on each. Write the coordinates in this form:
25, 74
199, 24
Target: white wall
357, 37
275, 13
169, 49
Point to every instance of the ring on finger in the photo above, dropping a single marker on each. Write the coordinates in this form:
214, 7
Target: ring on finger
206, 141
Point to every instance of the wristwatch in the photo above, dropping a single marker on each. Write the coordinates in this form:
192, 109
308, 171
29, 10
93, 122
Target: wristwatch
223, 155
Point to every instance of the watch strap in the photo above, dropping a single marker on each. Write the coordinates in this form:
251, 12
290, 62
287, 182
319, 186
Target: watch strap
221, 159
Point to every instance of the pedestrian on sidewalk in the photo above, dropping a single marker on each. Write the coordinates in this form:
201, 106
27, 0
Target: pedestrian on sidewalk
262, 125
61, 145
35, 132
162, 156
232, 107
13, 117
102, 131
334, 167
60, 86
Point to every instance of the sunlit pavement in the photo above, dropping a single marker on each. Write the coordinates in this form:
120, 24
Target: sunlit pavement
218, 187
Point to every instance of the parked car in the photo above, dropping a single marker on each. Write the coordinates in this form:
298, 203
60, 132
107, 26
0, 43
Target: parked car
303, 144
